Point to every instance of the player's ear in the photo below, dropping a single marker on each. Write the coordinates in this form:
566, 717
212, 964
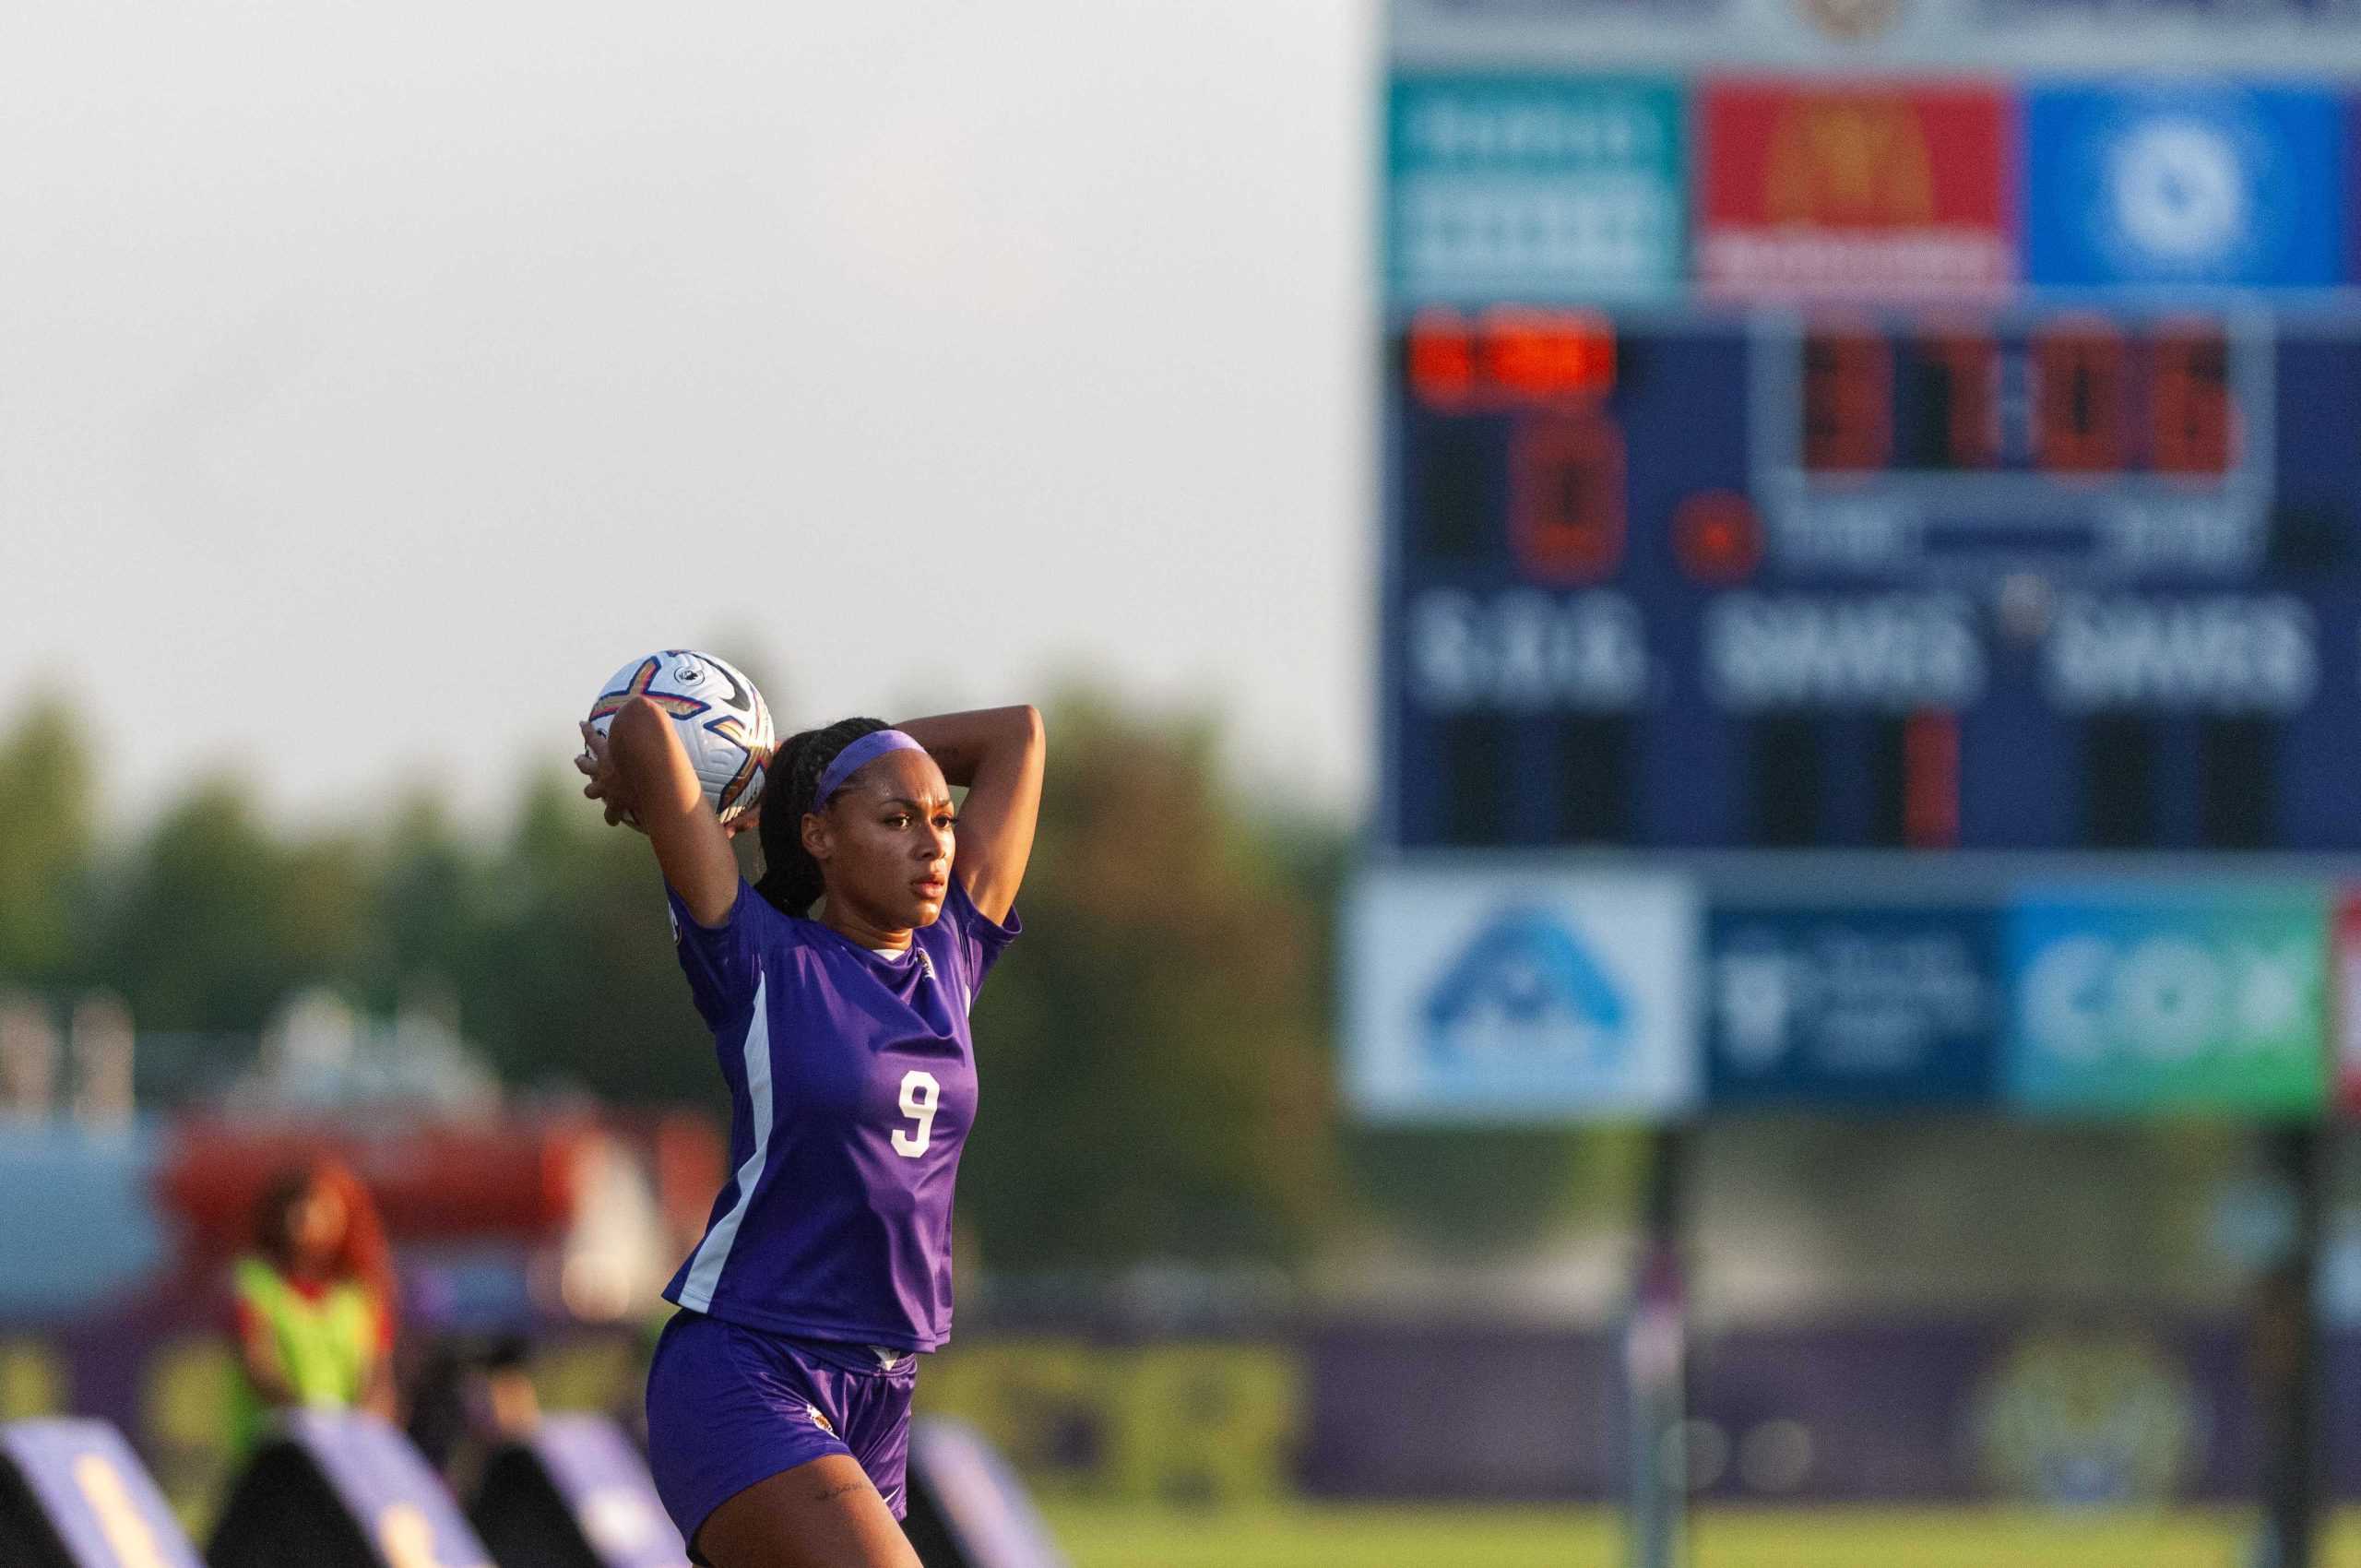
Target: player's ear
819, 838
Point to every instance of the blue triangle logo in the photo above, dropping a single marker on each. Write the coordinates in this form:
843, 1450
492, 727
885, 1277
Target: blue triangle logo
1525, 986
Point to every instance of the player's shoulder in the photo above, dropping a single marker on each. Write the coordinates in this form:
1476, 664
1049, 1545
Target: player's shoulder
753, 920
960, 915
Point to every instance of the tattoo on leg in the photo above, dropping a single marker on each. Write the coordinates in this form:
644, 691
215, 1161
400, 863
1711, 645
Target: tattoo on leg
831, 1494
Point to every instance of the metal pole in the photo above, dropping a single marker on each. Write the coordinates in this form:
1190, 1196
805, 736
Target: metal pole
2286, 1359
1655, 1357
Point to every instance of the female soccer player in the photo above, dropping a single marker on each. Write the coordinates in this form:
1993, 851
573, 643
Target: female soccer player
778, 1399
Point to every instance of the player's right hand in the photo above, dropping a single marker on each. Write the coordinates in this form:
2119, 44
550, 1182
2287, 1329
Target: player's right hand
597, 763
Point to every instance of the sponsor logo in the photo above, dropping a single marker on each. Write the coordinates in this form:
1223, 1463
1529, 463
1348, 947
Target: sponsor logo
2179, 190
1851, 20
1473, 996
1754, 995
1856, 161
2068, 1419
2163, 998
820, 1420
1534, 189
1887, 1005
1854, 189
1526, 986
1876, 1000
2184, 999
2184, 185
737, 698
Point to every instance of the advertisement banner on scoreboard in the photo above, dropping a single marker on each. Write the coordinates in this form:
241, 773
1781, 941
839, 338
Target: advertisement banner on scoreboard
2164, 999
1872, 1007
1495, 996
2163, 184
2344, 954
2306, 39
1809, 187
1534, 189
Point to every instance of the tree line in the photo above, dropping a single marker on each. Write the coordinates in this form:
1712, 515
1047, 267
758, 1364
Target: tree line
1157, 1073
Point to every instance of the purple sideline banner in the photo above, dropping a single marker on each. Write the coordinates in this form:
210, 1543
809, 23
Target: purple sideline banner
984, 1506
402, 1504
2078, 1410
95, 1494
602, 1479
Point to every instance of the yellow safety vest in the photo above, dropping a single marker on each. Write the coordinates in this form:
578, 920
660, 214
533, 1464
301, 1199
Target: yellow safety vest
324, 1345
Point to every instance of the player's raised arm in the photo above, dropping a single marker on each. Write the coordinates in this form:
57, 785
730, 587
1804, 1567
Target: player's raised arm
640, 771
998, 753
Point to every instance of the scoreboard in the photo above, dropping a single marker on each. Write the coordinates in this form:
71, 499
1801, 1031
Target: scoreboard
1936, 577
1870, 595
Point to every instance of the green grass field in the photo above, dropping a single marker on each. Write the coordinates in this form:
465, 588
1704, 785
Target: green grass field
1309, 1536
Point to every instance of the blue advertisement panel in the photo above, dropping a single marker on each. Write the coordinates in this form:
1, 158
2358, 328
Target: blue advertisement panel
1843, 1006
2166, 183
1533, 189
2130, 1001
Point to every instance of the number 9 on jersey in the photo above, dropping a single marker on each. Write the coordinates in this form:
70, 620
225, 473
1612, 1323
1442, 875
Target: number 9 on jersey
920, 1096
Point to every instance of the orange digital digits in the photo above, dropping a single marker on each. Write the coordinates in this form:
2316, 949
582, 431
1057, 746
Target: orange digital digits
1510, 357
2078, 398
1848, 400
2193, 423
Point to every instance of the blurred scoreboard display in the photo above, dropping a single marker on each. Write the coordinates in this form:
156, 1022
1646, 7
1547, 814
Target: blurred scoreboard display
1886, 474
1866, 456
1936, 577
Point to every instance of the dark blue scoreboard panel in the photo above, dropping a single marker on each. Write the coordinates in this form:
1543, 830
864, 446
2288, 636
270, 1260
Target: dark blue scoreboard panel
1960, 577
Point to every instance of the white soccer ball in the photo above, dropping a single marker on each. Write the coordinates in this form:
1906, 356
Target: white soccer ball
722, 722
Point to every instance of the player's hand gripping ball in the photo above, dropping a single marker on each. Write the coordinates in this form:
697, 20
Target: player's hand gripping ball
723, 723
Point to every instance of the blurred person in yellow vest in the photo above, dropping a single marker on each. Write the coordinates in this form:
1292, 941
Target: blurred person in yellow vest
315, 1302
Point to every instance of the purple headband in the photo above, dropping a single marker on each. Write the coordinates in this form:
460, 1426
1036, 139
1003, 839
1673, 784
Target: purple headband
858, 755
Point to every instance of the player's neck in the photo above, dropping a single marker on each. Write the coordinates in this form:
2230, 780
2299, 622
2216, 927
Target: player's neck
847, 922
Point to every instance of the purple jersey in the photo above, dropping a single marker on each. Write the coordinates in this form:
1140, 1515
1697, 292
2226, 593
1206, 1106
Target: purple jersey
852, 1086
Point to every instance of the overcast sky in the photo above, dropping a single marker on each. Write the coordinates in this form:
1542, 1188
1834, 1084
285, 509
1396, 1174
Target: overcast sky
375, 379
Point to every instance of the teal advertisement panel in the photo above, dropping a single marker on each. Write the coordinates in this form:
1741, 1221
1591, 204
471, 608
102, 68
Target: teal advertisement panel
1534, 189
2135, 1000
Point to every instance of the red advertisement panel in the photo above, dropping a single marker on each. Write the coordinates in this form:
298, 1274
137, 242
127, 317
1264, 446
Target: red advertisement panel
1855, 188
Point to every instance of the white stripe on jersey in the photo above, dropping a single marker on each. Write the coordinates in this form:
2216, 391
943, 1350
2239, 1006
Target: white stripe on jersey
713, 1253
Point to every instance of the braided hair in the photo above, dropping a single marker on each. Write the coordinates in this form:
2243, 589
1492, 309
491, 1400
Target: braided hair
790, 876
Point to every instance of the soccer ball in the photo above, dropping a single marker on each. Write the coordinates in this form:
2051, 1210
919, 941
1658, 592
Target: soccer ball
722, 722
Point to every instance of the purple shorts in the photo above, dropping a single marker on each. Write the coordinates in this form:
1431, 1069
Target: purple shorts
728, 1407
